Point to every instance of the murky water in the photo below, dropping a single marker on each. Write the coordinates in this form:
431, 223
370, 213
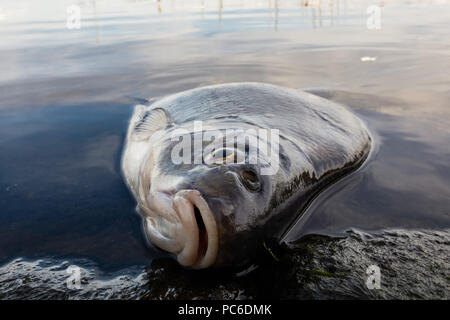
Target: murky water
66, 95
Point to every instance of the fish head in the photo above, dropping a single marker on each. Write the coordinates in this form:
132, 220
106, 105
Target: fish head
208, 207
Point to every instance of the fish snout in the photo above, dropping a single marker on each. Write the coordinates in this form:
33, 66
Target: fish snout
199, 232
183, 224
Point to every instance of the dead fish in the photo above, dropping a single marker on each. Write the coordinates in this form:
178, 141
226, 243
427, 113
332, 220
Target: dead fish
213, 201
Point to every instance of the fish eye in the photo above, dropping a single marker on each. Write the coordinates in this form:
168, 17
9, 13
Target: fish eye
250, 180
223, 155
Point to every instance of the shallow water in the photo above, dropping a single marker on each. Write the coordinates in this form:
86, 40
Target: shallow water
66, 95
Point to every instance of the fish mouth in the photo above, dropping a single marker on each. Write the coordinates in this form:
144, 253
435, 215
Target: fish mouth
199, 230
189, 229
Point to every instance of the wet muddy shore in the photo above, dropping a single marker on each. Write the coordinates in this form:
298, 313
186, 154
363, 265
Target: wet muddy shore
413, 265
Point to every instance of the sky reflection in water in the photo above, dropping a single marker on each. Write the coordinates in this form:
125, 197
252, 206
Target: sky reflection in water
66, 96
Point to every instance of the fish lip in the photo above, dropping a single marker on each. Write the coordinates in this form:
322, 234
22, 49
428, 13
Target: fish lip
184, 204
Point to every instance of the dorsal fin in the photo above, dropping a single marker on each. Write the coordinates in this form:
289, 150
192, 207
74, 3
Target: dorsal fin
150, 121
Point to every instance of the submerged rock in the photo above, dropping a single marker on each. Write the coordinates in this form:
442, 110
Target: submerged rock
413, 265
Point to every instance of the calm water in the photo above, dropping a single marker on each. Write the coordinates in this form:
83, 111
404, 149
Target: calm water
66, 95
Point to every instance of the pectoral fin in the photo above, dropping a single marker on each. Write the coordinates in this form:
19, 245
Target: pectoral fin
147, 121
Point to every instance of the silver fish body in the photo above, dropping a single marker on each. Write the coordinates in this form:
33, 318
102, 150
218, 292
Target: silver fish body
216, 213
